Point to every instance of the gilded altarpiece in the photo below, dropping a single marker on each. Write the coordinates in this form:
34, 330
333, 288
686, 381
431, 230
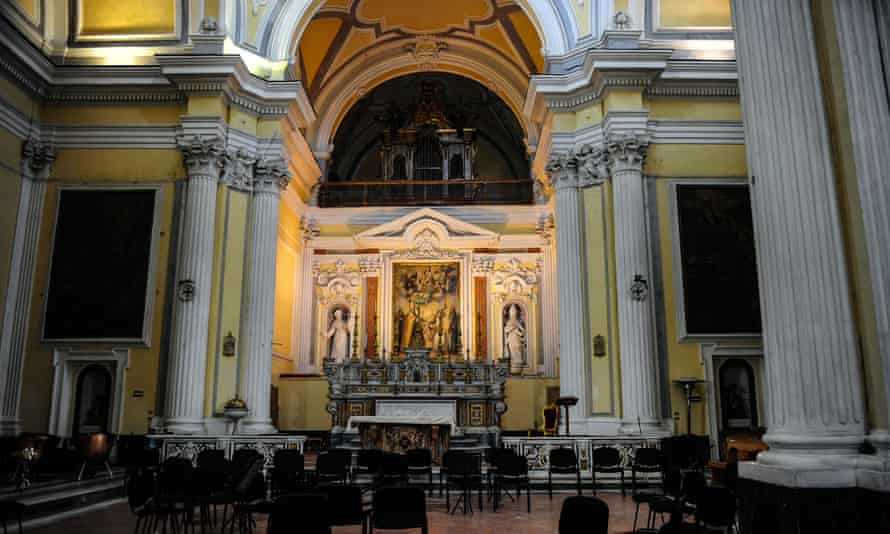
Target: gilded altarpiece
427, 308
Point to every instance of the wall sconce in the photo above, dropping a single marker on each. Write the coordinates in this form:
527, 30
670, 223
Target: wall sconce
229, 345
599, 346
639, 289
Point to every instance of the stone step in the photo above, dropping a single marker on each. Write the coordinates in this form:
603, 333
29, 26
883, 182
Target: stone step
54, 499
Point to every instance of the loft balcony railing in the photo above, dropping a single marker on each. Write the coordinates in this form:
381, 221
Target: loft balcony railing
425, 192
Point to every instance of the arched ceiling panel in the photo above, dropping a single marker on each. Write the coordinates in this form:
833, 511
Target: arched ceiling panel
500, 29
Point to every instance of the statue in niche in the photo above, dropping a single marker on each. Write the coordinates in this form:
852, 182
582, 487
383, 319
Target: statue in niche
338, 336
514, 337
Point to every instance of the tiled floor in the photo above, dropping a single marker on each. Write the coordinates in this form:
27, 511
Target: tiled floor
510, 519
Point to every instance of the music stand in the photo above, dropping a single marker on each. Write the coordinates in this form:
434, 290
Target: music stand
565, 402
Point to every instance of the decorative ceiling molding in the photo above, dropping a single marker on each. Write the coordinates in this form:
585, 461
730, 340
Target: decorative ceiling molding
284, 21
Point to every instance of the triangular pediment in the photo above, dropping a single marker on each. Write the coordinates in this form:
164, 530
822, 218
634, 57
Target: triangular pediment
429, 225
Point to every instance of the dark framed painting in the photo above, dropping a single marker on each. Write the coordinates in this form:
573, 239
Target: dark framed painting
101, 261
718, 262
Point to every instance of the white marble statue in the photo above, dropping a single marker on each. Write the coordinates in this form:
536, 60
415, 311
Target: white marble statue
514, 336
338, 337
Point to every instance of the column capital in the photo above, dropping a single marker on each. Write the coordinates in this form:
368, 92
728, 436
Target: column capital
626, 152
593, 163
271, 176
563, 171
37, 159
239, 165
203, 156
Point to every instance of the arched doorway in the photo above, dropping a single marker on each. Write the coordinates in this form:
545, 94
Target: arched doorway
93, 400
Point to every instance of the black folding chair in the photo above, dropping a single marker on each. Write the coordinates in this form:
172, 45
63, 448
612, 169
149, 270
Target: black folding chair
333, 466
399, 509
512, 471
420, 462
348, 508
305, 513
607, 460
584, 515
563, 462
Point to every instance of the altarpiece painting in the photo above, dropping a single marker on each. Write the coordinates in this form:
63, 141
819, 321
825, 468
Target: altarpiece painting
426, 304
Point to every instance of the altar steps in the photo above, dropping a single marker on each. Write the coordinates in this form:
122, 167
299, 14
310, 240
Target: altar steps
52, 500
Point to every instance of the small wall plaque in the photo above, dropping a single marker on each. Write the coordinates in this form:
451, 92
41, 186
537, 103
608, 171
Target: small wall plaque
186, 290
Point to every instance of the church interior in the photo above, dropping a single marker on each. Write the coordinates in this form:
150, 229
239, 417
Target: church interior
467, 266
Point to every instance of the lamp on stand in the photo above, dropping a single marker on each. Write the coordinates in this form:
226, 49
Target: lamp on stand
688, 384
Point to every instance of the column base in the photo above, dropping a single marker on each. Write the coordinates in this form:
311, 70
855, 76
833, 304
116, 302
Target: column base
10, 426
256, 426
780, 509
184, 425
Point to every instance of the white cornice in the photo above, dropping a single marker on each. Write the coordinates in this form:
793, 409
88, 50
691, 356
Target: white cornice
470, 214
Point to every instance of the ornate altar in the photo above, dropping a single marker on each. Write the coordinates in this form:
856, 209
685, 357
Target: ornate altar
411, 387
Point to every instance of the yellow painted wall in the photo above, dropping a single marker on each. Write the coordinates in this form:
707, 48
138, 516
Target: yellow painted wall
581, 13
694, 14
10, 188
113, 114
13, 95
100, 168
692, 109
302, 402
525, 398
225, 311
600, 304
684, 358
286, 276
31, 8
126, 17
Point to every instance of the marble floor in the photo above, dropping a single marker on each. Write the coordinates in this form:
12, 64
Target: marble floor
510, 518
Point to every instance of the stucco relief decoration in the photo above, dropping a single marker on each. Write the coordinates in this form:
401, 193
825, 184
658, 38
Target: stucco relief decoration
483, 264
238, 168
563, 170
426, 51
37, 156
327, 276
546, 227
202, 155
309, 228
369, 265
514, 278
593, 165
626, 152
426, 246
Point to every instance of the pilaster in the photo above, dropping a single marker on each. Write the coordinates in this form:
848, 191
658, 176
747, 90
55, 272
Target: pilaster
306, 360
814, 398
203, 158
36, 166
270, 178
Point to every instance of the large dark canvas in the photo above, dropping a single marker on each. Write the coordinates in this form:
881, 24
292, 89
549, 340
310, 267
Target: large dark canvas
719, 266
100, 265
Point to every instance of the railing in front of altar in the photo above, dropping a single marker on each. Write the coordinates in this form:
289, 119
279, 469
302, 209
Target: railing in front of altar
418, 375
189, 446
537, 451
425, 192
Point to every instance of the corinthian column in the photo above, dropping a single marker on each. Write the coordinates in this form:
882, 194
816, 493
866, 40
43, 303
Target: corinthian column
815, 400
191, 310
36, 166
256, 348
563, 172
636, 327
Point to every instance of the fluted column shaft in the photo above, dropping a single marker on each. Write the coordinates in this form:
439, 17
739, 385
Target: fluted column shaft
570, 294
859, 34
191, 308
36, 166
814, 400
256, 341
636, 327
